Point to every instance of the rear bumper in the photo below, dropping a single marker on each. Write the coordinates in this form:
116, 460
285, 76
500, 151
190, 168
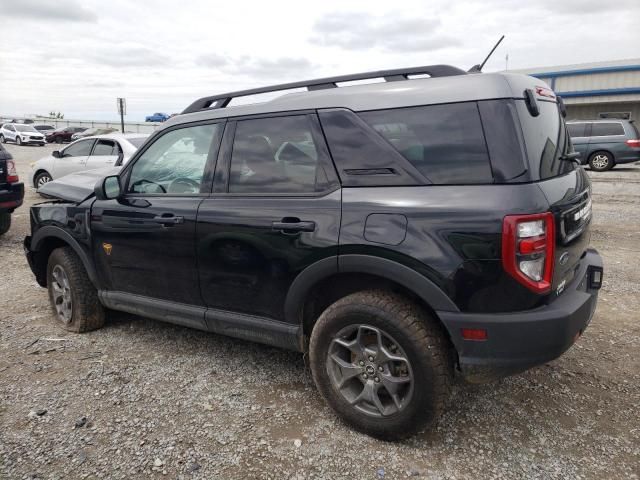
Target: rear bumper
11, 196
520, 340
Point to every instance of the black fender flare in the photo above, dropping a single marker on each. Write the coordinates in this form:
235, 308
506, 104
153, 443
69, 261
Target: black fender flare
413, 281
50, 231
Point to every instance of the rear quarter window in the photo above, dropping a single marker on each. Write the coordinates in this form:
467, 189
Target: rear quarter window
445, 143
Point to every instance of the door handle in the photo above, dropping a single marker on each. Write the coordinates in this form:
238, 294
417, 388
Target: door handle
293, 225
172, 220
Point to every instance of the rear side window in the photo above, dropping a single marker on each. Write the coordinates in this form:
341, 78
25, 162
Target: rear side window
577, 129
443, 142
606, 129
275, 155
105, 147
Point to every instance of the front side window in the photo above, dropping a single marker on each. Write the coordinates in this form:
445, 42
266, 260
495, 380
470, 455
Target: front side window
275, 155
78, 149
444, 142
105, 147
577, 129
175, 162
606, 129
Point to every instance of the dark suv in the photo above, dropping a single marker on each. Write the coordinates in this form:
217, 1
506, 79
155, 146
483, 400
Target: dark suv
11, 190
400, 232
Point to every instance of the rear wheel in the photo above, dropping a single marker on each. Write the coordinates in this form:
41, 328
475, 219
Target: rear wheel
2, 139
5, 222
73, 297
601, 161
382, 363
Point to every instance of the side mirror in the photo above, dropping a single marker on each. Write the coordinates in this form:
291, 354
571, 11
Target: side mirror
108, 188
56, 154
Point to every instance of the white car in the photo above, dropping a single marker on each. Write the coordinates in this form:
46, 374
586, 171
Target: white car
110, 150
21, 134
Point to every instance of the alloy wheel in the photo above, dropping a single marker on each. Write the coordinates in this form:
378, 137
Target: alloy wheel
370, 370
600, 161
42, 180
61, 290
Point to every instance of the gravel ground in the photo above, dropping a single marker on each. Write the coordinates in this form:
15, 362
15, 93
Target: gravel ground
143, 399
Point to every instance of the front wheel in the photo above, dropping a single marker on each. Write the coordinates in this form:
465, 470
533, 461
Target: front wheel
58, 140
382, 363
18, 140
2, 139
41, 179
5, 222
601, 161
74, 299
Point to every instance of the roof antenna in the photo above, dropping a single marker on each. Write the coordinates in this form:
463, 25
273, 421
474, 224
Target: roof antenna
478, 68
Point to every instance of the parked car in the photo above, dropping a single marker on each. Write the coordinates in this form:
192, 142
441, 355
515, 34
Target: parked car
605, 143
21, 134
44, 129
11, 189
86, 154
398, 232
91, 132
63, 135
157, 117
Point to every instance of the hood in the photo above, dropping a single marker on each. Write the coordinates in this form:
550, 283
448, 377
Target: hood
76, 187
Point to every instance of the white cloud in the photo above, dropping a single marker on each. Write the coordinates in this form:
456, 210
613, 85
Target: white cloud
77, 56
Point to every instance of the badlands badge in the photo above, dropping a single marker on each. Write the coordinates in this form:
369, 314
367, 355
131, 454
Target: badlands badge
107, 248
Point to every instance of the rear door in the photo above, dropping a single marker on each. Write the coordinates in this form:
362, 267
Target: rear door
73, 158
565, 185
579, 133
104, 154
275, 210
607, 136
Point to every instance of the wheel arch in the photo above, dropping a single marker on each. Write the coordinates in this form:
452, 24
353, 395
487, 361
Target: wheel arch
38, 172
47, 239
327, 280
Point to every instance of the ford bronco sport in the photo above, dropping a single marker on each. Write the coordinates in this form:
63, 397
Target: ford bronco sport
400, 232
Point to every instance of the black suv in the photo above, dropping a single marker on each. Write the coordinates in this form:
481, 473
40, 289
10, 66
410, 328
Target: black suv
400, 232
11, 190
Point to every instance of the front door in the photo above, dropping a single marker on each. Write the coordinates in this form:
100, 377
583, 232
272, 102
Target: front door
104, 154
275, 210
73, 158
143, 242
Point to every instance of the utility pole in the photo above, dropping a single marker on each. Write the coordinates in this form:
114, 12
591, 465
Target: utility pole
122, 110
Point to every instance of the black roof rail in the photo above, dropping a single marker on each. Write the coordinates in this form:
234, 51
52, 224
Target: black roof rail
222, 100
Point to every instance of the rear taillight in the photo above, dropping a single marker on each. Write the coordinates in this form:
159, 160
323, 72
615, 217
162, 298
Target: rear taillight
633, 143
528, 249
12, 174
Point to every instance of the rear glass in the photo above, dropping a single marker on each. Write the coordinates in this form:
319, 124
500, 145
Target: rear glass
546, 140
444, 142
606, 129
136, 141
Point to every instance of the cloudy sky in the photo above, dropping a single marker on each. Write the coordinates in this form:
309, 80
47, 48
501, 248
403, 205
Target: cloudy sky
77, 56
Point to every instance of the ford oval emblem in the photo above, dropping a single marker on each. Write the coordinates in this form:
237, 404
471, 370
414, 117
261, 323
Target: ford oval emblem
564, 258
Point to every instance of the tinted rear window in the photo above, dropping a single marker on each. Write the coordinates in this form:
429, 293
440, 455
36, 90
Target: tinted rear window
606, 129
444, 142
546, 140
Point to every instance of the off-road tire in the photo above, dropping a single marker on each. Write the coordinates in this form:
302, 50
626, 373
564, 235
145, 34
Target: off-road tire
596, 161
5, 222
416, 332
88, 313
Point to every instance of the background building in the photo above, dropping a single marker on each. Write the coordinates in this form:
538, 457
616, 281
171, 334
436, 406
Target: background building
596, 90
